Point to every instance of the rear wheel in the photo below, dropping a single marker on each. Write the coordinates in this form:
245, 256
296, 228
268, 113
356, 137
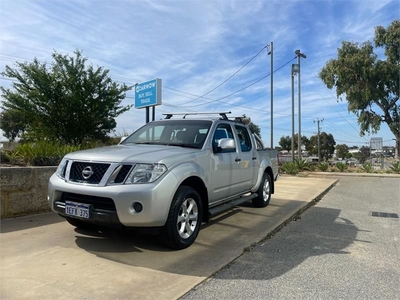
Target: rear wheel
184, 219
264, 192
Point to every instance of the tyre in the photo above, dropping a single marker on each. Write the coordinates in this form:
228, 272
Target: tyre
264, 192
184, 219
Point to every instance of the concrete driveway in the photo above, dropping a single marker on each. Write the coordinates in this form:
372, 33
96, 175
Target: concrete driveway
43, 257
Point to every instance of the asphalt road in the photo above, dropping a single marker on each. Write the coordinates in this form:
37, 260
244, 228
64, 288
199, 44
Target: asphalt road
337, 250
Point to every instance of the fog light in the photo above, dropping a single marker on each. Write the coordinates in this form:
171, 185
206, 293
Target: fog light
138, 207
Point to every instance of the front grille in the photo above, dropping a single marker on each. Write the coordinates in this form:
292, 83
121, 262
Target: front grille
86, 172
97, 202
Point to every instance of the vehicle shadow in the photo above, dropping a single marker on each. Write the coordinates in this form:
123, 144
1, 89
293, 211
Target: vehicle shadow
320, 231
108, 240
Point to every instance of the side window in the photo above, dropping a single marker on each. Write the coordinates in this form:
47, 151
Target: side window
244, 138
223, 131
259, 144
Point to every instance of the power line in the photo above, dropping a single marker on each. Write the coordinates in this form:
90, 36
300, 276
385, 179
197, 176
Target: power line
230, 77
257, 81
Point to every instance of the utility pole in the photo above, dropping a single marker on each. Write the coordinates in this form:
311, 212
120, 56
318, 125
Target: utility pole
292, 76
271, 52
319, 140
299, 54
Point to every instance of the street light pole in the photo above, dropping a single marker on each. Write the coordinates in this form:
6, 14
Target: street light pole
298, 54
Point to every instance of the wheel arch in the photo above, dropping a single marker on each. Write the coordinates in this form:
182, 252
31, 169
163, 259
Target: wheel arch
271, 175
197, 184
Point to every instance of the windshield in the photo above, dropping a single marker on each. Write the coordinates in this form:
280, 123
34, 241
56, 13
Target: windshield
183, 133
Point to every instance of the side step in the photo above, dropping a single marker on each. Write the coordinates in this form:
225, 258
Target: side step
228, 205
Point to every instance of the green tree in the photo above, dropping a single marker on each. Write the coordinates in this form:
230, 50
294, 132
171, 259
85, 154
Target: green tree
371, 86
12, 122
253, 127
66, 101
285, 142
363, 155
327, 144
342, 151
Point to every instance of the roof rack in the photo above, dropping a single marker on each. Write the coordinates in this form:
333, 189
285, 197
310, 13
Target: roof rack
222, 114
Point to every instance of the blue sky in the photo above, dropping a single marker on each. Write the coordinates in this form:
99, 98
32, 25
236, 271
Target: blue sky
194, 46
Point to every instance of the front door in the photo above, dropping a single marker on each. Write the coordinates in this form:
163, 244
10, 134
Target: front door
224, 170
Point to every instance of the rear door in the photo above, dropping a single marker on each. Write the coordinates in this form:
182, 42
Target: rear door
248, 158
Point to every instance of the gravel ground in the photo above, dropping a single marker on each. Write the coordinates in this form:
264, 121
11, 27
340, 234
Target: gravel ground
337, 250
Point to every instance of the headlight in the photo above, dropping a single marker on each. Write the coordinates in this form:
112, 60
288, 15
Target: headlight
62, 167
145, 173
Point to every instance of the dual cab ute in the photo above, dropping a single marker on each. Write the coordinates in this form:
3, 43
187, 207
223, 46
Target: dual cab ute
170, 175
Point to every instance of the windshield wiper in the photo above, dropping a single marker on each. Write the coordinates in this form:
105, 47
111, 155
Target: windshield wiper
146, 143
184, 145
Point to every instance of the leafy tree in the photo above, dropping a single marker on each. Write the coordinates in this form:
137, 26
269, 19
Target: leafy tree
327, 144
66, 101
12, 122
285, 142
342, 151
371, 86
363, 155
253, 127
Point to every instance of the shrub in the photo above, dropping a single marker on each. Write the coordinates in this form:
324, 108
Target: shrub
302, 165
341, 166
290, 168
395, 167
10, 157
323, 167
367, 167
42, 153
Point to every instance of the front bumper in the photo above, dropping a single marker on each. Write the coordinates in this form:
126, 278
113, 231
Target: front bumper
117, 208
101, 217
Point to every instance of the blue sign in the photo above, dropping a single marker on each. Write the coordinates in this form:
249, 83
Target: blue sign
148, 93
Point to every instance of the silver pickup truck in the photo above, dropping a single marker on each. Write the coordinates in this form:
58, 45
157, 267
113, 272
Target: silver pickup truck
170, 175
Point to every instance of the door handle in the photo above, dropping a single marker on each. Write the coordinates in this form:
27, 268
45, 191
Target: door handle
237, 159
254, 158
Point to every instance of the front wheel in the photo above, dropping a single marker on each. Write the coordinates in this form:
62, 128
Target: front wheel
184, 219
264, 192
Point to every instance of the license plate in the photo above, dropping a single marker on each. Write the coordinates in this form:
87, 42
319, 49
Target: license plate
77, 209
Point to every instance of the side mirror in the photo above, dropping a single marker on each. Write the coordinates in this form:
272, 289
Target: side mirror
225, 144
